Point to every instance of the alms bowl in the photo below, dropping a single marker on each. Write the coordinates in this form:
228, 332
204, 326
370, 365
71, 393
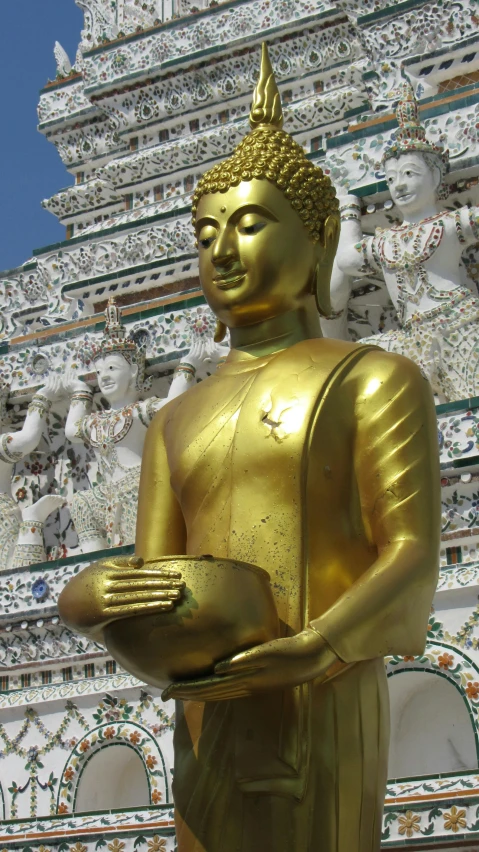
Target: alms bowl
226, 607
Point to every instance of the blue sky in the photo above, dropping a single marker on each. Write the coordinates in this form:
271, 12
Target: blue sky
31, 169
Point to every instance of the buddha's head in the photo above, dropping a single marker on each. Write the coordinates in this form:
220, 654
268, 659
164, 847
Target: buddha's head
266, 221
414, 167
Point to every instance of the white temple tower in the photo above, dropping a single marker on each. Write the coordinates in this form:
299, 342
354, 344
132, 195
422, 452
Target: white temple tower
158, 92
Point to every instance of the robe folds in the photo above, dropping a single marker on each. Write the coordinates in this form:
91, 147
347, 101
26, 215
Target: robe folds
318, 463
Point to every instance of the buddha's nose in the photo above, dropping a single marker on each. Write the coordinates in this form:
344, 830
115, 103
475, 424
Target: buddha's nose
225, 250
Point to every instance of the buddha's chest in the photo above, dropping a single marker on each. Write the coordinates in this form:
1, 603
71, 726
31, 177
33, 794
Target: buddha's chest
246, 430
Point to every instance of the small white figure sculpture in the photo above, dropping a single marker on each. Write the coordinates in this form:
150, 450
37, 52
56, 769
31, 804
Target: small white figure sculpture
419, 259
21, 531
105, 514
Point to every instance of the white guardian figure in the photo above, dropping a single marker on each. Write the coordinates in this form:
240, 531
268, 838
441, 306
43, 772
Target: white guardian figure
105, 514
419, 259
21, 530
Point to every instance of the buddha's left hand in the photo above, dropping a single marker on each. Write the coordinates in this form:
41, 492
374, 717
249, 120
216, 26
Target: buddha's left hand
274, 665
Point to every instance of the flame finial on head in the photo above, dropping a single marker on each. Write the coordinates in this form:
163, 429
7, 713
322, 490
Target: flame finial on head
267, 152
266, 109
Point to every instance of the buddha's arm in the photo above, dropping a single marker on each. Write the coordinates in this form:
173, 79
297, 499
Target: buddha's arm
160, 528
396, 459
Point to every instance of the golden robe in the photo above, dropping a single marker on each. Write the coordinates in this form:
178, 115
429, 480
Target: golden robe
318, 463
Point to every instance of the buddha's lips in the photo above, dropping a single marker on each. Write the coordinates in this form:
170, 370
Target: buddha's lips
227, 282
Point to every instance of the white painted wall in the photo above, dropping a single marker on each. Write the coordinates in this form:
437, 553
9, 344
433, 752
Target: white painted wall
113, 778
431, 731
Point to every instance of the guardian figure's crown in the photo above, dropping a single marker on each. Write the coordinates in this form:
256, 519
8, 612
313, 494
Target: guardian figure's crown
411, 136
116, 342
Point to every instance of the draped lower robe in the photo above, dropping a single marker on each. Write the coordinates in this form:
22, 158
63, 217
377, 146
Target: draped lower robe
318, 463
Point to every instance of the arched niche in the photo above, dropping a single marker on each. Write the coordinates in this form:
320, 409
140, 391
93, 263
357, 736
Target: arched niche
431, 728
114, 777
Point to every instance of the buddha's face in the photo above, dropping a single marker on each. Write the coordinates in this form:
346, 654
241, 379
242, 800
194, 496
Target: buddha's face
116, 377
412, 183
256, 258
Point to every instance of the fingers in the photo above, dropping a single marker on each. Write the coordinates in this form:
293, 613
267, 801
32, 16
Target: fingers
236, 665
152, 568
142, 574
122, 562
143, 583
209, 689
193, 349
207, 694
126, 610
133, 595
140, 599
252, 660
133, 568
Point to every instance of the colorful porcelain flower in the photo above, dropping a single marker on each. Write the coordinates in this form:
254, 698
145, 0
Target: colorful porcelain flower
445, 661
409, 823
157, 844
472, 690
454, 820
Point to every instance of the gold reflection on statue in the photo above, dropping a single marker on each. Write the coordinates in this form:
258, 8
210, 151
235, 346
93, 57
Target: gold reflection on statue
313, 459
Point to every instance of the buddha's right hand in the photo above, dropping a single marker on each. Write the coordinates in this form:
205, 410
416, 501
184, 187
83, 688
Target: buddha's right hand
116, 588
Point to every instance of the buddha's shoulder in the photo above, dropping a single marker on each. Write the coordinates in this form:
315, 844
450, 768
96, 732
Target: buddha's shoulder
360, 363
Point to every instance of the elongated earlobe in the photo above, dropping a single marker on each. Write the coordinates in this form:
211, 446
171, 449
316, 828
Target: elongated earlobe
324, 268
220, 331
321, 292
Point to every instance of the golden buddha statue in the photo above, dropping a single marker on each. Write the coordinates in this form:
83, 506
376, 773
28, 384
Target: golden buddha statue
314, 459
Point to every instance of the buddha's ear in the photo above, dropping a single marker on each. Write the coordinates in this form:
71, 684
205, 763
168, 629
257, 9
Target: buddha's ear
326, 248
220, 331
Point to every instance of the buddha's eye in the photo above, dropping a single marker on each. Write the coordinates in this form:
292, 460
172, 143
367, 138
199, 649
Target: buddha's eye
206, 236
252, 229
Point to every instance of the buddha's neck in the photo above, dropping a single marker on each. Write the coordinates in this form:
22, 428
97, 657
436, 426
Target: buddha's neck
279, 332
